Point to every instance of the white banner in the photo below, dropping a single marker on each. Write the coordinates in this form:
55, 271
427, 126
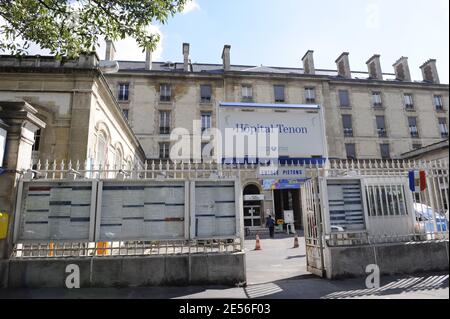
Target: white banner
300, 129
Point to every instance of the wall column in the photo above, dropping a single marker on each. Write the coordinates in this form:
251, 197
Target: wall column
22, 123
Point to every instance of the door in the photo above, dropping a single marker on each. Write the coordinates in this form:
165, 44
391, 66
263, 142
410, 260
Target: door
312, 221
252, 216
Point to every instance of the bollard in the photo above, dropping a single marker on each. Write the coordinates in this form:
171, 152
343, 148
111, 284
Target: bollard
296, 245
258, 244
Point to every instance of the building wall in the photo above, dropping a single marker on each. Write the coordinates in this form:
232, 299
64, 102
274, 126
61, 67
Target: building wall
396, 116
75, 104
144, 105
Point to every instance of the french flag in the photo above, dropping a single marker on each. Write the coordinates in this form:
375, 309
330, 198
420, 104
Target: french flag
417, 181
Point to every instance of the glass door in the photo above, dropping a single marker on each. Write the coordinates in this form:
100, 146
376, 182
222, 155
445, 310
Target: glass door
252, 216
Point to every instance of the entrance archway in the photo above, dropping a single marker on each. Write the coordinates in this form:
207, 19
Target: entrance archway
252, 206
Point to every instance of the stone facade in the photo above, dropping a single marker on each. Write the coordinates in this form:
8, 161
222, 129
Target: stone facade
339, 92
144, 102
75, 101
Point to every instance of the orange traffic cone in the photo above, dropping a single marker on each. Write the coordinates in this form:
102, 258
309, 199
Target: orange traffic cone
258, 244
296, 245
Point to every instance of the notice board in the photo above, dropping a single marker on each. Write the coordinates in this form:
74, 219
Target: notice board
56, 211
215, 209
142, 211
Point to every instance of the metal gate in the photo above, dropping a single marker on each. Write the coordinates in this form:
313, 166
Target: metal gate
313, 229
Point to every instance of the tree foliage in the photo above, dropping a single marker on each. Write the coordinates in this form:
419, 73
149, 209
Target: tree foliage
72, 27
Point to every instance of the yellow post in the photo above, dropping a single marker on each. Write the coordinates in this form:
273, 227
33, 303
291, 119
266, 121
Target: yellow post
3, 225
102, 249
51, 251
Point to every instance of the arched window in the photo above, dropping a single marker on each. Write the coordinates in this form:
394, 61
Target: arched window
118, 158
102, 149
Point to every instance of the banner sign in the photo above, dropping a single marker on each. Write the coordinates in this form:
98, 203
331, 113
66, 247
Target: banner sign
299, 130
273, 184
272, 172
254, 197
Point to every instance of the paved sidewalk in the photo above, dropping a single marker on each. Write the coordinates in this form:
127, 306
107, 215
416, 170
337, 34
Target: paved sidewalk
278, 271
430, 286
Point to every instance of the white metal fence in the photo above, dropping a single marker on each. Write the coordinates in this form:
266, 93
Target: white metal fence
359, 202
391, 211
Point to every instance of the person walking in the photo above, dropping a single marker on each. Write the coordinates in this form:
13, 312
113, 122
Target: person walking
270, 223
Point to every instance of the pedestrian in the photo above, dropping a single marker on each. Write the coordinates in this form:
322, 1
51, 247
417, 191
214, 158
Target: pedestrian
270, 223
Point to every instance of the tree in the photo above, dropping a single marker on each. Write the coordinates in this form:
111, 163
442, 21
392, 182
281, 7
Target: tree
73, 27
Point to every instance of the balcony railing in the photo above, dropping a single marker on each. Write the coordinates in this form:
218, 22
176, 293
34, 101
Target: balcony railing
378, 105
382, 132
348, 132
414, 134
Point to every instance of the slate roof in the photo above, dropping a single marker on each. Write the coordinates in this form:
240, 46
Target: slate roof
139, 66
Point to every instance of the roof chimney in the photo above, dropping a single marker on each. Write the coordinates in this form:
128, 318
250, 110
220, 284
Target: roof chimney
374, 67
429, 72
401, 68
226, 57
186, 57
343, 65
110, 50
308, 62
148, 59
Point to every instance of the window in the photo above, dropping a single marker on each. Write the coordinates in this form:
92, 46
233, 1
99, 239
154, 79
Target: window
100, 156
376, 99
310, 95
443, 127
409, 102
279, 93
351, 151
205, 93
381, 126
247, 93
385, 152
164, 122
123, 92
344, 98
164, 150
412, 122
125, 113
118, 159
206, 121
386, 200
37, 140
165, 93
438, 102
348, 126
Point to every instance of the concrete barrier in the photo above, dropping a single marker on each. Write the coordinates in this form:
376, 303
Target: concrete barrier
213, 269
393, 259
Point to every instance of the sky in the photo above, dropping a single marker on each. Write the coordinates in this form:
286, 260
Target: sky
279, 32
